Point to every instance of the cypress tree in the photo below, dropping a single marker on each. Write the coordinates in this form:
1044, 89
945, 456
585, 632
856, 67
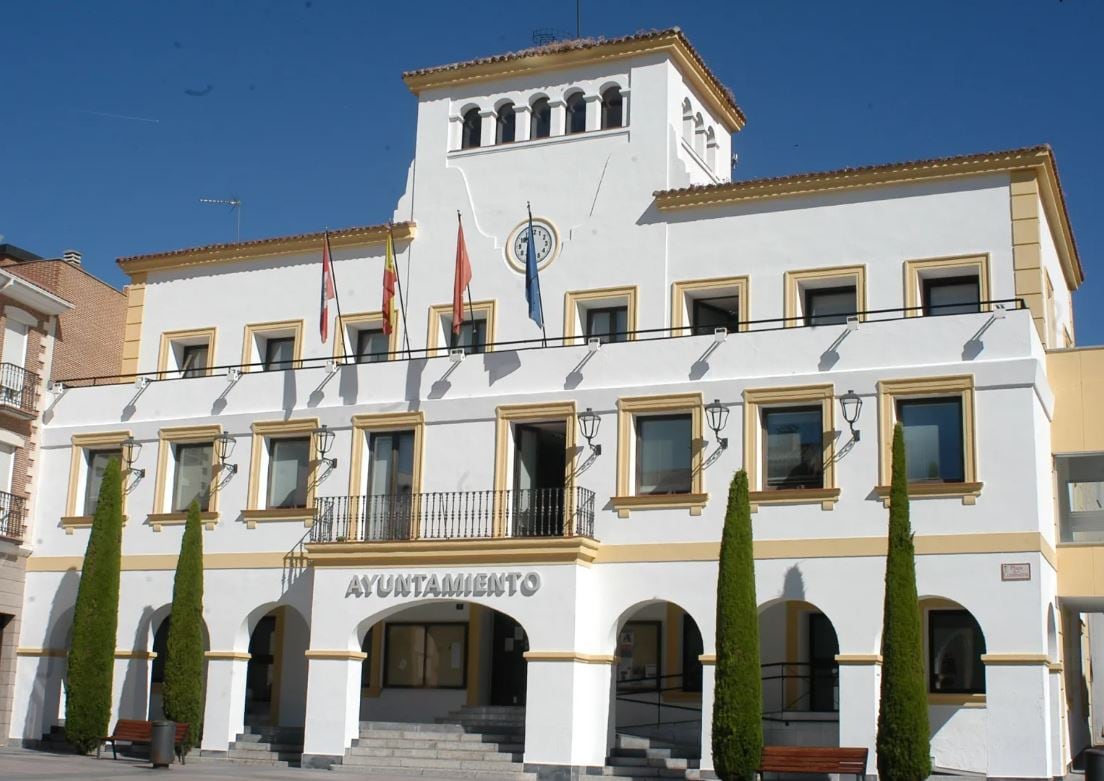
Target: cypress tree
904, 751
91, 663
737, 692
183, 687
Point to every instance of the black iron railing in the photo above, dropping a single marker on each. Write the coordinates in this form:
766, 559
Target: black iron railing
13, 513
801, 687
18, 388
454, 515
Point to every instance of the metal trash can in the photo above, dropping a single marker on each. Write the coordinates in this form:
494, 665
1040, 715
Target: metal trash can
162, 737
1094, 764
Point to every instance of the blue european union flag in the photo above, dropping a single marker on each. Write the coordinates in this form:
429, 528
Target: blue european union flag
532, 279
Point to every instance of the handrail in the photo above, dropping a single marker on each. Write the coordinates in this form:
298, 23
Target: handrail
13, 513
549, 343
454, 515
18, 388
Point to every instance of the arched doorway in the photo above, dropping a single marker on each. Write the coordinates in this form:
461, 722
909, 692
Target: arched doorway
276, 674
797, 653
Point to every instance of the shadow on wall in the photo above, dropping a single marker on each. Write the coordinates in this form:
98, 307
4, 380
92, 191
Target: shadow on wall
46, 701
135, 689
793, 585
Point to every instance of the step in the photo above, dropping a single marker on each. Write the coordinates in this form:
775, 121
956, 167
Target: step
640, 752
632, 741
671, 763
451, 745
501, 765
462, 737
260, 762
249, 745
642, 772
433, 753
370, 770
412, 726
239, 753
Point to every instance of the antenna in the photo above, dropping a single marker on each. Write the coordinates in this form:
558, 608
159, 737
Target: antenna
235, 206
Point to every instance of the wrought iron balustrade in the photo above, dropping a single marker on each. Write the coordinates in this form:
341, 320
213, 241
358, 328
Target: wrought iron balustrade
455, 515
18, 388
13, 514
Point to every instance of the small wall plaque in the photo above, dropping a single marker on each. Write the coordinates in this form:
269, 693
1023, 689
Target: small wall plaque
1018, 571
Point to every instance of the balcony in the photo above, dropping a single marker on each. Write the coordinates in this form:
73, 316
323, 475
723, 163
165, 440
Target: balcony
18, 390
532, 513
13, 513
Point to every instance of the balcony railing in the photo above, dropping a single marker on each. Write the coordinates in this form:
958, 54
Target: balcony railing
13, 513
18, 388
455, 515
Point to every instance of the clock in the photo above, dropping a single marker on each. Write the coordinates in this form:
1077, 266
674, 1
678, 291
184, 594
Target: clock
545, 240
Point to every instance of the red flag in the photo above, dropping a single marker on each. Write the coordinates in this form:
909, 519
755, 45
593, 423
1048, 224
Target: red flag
389, 278
327, 290
462, 279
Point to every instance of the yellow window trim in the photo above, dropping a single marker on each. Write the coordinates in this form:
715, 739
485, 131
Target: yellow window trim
755, 400
276, 429
194, 336
508, 414
80, 443
253, 330
692, 288
914, 271
573, 313
158, 520
360, 320
439, 313
73, 522
627, 409
888, 393
180, 435
385, 421
958, 700
794, 305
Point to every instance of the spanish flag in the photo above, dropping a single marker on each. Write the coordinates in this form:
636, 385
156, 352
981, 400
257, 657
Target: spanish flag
389, 278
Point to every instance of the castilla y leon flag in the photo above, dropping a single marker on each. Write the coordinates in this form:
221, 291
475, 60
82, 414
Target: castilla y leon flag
327, 289
389, 277
462, 279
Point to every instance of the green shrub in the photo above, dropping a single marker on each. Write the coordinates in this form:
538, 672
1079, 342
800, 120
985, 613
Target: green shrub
91, 662
183, 688
904, 750
738, 693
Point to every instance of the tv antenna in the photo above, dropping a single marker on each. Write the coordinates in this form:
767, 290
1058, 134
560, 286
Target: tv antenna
235, 206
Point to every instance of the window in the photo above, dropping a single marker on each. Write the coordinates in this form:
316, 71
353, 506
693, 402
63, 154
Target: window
477, 330
610, 324
372, 345
638, 656
1081, 497
952, 295
612, 112
793, 447
471, 130
541, 120
506, 124
576, 113
934, 449
472, 337
192, 476
709, 314
288, 471
96, 463
830, 305
429, 656
279, 354
664, 448
955, 648
391, 469
193, 361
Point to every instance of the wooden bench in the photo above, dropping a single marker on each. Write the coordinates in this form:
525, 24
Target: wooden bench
137, 732
813, 759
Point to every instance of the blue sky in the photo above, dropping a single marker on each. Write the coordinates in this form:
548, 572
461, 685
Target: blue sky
118, 116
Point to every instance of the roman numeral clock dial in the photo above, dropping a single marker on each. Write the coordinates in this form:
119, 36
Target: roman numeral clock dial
545, 241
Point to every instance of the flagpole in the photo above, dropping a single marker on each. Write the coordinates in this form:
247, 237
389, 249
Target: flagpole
398, 284
471, 307
337, 296
540, 293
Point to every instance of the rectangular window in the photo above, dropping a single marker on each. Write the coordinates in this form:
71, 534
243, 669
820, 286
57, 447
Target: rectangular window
96, 462
952, 295
830, 305
1081, 497
934, 448
371, 345
955, 648
279, 353
664, 446
430, 656
192, 476
609, 324
793, 447
193, 360
708, 314
288, 470
472, 337
638, 656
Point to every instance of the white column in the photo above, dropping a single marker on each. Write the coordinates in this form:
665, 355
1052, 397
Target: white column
1018, 729
559, 117
523, 118
567, 710
624, 108
593, 112
709, 680
860, 680
333, 705
487, 127
224, 706
456, 132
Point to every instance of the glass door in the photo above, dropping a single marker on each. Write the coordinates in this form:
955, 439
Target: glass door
539, 462
388, 510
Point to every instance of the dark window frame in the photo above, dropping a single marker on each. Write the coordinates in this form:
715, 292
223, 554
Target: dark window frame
205, 504
614, 312
89, 455
272, 462
270, 364
199, 370
639, 455
810, 293
703, 303
927, 284
471, 129
506, 124
425, 638
931, 628
640, 684
900, 401
363, 356
575, 114
478, 344
613, 108
764, 413
540, 119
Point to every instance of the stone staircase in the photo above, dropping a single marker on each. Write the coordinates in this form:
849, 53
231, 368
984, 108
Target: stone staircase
474, 742
267, 746
645, 758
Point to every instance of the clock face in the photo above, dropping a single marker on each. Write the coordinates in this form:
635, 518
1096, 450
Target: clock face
544, 241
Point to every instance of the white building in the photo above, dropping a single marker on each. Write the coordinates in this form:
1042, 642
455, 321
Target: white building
469, 547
